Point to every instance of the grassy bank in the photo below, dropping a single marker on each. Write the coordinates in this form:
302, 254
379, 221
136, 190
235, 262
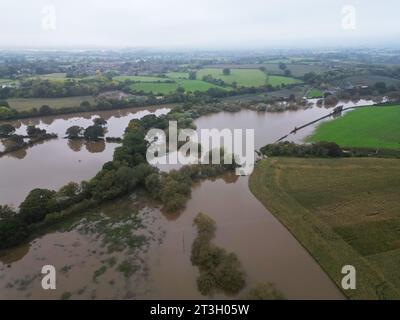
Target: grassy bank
374, 127
343, 211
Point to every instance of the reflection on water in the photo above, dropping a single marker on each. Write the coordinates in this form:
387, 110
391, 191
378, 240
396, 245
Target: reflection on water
117, 120
269, 127
95, 146
51, 164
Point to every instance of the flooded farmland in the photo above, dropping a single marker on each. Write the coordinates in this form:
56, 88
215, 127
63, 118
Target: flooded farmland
157, 263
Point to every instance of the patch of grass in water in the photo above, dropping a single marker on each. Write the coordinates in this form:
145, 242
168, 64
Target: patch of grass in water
127, 268
66, 296
99, 272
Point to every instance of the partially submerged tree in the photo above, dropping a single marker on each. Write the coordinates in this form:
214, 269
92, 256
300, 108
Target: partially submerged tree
74, 132
6, 130
94, 132
99, 121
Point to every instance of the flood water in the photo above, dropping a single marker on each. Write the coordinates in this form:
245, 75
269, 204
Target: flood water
52, 164
266, 249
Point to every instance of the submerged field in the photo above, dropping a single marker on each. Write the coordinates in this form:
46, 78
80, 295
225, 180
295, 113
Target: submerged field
343, 211
372, 127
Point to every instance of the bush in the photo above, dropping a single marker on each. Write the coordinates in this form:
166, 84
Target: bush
206, 283
264, 291
229, 274
6, 130
290, 149
12, 232
37, 204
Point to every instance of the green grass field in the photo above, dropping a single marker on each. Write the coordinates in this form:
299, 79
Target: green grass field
21, 104
58, 77
297, 69
166, 88
279, 80
177, 75
243, 77
315, 93
8, 81
140, 78
372, 127
343, 211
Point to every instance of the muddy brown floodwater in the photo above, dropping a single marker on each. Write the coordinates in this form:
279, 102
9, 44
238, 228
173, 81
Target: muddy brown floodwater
54, 163
160, 267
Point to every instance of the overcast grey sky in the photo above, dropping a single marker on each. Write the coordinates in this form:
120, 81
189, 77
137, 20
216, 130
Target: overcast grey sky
196, 24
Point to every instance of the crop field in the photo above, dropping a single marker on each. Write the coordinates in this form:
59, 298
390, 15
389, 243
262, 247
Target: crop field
344, 211
21, 104
243, 77
371, 127
166, 88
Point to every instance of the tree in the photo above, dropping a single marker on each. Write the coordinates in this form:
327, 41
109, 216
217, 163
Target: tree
282, 66
109, 184
74, 132
192, 75
94, 132
45, 110
229, 274
14, 142
33, 131
85, 104
180, 90
36, 205
70, 190
6, 113
288, 72
6, 130
6, 212
99, 121
12, 232
153, 185
226, 71
206, 283
381, 87
4, 103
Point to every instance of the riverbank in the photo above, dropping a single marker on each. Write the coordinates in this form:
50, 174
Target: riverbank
343, 211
